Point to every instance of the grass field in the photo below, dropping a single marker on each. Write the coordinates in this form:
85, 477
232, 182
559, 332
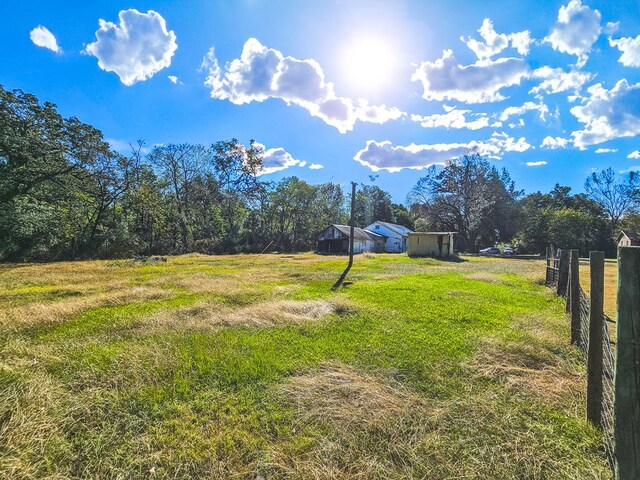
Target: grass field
610, 283
250, 367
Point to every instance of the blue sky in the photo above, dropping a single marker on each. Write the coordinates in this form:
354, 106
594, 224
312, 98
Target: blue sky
342, 90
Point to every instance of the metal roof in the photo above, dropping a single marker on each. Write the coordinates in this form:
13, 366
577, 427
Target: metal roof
358, 233
402, 230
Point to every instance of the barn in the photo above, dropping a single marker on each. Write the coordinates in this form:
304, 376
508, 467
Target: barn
335, 239
430, 244
396, 235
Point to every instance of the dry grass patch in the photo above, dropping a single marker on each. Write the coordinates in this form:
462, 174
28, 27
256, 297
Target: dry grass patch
47, 313
342, 396
532, 371
207, 315
487, 277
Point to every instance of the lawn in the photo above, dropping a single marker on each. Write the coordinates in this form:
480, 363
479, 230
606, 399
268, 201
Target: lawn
250, 367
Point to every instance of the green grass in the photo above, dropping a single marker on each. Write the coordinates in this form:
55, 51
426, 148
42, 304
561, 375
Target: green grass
222, 367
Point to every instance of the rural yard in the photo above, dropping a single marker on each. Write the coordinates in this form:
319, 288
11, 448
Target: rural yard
248, 366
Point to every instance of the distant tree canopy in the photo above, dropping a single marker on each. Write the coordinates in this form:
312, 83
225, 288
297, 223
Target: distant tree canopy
64, 193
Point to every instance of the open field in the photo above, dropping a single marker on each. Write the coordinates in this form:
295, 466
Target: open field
610, 283
249, 367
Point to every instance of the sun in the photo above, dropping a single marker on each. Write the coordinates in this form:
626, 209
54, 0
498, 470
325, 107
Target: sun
369, 63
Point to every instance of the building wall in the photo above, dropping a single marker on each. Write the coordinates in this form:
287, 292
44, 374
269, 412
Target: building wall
624, 242
360, 246
395, 242
426, 245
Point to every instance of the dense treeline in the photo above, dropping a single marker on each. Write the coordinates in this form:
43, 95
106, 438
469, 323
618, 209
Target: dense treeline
65, 194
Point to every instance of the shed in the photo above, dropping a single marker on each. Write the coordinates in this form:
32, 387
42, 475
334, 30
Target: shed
628, 239
430, 244
335, 239
396, 235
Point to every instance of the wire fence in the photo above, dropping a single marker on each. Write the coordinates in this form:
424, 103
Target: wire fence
608, 362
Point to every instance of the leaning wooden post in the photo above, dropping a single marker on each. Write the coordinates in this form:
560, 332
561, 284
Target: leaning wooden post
627, 377
596, 324
563, 273
573, 298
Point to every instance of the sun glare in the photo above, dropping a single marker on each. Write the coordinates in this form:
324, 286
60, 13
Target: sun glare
369, 63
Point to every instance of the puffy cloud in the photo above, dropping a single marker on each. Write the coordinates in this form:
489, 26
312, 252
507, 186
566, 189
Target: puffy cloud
135, 49
554, 143
446, 79
630, 48
606, 150
173, 79
275, 159
608, 114
634, 155
262, 73
495, 43
385, 156
576, 30
540, 163
42, 37
315, 166
542, 109
453, 118
556, 80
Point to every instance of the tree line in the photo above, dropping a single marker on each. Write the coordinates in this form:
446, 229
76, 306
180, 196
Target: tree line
66, 194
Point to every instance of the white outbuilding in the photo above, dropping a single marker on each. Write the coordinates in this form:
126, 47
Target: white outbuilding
397, 235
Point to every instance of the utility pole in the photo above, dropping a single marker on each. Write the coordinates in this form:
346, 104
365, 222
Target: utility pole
351, 234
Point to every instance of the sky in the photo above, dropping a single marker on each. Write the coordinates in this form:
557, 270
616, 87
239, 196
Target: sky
334, 90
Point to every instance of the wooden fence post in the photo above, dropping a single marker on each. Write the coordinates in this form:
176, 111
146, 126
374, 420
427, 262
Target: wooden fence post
563, 273
573, 297
627, 376
596, 324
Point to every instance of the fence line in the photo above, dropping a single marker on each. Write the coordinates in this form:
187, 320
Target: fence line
553, 269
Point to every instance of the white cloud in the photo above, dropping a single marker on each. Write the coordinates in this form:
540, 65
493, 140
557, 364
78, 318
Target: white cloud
275, 159
635, 168
453, 118
608, 114
611, 28
495, 43
554, 143
315, 166
135, 49
42, 37
385, 156
262, 73
576, 30
630, 48
446, 79
541, 108
540, 163
606, 150
173, 79
634, 155
556, 80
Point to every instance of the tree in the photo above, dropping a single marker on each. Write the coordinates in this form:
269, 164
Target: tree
373, 204
618, 196
468, 196
38, 145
